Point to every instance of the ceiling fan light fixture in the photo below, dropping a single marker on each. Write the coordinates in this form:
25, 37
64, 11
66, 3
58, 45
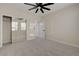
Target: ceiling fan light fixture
39, 6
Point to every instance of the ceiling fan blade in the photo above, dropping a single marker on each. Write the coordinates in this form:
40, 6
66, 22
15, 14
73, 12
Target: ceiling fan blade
29, 4
37, 3
47, 4
46, 8
36, 11
33, 8
41, 10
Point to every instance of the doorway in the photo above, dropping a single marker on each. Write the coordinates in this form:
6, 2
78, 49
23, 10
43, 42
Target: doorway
40, 30
7, 32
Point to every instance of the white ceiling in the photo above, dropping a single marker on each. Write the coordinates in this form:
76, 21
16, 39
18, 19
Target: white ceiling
23, 7
55, 7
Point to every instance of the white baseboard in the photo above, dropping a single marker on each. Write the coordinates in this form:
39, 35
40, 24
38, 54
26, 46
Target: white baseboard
63, 42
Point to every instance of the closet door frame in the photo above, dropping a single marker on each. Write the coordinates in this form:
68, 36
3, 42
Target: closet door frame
10, 28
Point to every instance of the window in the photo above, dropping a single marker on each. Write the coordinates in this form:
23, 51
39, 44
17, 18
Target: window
14, 26
23, 26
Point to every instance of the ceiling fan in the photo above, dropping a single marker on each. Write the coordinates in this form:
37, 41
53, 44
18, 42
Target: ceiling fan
39, 6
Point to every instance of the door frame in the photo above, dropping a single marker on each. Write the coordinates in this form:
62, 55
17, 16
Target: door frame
26, 30
10, 29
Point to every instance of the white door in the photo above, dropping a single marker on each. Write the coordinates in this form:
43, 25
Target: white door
6, 30
41, 30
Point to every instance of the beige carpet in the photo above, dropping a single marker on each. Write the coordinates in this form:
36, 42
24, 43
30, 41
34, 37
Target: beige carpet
38, 48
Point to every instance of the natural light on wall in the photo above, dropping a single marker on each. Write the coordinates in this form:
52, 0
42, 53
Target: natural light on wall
23, 26
14, 26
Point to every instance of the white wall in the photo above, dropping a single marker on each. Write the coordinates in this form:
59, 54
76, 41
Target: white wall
63, 25
14, 12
